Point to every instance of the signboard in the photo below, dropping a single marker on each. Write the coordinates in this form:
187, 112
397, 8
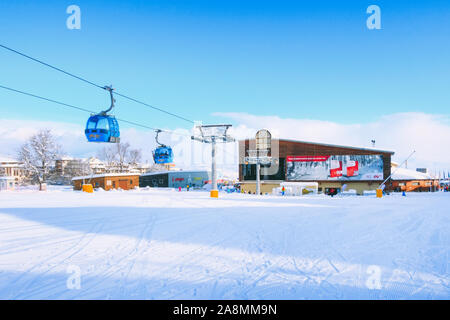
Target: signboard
342, 167
263, 140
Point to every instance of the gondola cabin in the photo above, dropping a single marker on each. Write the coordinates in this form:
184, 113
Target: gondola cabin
102, 128
163, 154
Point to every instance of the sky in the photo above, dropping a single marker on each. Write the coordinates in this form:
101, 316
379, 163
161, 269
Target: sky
296, 67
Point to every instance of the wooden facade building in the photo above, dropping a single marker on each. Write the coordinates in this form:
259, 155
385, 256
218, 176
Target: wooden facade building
124, 181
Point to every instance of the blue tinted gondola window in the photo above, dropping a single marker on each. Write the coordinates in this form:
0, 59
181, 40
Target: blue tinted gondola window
103, 124
91, 124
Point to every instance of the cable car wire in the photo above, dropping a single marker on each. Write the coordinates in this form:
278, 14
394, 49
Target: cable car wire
93, 84
50, 66
86, 110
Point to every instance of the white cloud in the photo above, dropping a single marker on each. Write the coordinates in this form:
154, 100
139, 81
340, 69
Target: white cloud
187, 154
428, 134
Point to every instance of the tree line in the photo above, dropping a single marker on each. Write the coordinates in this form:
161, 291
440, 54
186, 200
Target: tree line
41, 151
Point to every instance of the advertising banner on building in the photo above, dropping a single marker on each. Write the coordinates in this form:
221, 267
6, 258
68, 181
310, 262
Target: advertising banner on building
341, 167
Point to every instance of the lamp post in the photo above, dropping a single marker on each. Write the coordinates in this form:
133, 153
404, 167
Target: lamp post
213, 165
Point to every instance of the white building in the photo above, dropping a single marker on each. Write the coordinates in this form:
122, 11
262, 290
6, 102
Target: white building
68, 166
12, 168
7, 183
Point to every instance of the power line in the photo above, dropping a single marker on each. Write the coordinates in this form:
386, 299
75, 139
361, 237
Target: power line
93, 84
85, 110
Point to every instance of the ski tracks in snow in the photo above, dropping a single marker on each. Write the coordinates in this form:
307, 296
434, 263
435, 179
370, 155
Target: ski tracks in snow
24, 284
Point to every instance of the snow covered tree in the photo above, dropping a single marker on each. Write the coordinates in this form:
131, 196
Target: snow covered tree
38, 156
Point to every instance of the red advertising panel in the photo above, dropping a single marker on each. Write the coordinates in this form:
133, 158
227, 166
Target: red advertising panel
306, 158
337, 167
352, 168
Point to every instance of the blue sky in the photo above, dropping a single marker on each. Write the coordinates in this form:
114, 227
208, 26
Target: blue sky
292, 59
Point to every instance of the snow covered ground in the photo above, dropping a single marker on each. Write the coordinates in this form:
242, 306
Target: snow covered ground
163, 244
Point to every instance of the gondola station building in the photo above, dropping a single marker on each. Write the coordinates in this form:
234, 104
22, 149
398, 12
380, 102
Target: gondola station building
341, 168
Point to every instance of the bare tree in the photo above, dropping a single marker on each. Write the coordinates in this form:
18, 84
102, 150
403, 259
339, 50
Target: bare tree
122, 151
78, 167
108, 155
120, 156
38, 156
134, 156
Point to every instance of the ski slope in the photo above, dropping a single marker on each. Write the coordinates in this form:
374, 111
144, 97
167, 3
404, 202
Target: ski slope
164, 244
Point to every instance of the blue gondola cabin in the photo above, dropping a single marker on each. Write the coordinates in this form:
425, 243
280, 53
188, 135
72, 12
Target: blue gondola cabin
163, 154
102, 128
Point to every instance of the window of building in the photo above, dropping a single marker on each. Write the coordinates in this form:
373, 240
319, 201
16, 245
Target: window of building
249, 172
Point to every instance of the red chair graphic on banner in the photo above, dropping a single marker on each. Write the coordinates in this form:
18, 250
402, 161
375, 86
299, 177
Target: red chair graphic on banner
335, 168
352, 168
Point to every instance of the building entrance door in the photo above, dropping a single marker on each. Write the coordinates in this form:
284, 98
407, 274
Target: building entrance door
123, 184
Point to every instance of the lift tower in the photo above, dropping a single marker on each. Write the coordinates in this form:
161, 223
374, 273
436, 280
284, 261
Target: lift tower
213, 133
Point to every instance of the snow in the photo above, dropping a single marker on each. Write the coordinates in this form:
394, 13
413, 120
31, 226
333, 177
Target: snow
103, 175
172, 171
165, 244
407, 174
7, 159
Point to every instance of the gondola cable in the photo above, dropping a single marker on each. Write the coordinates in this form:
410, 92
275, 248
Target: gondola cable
94, 84
89, 111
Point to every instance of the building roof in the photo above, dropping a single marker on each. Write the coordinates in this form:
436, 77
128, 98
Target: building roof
65, 158
104, 175
11, 165
7, 160
407, 174
334, 145
170, 171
